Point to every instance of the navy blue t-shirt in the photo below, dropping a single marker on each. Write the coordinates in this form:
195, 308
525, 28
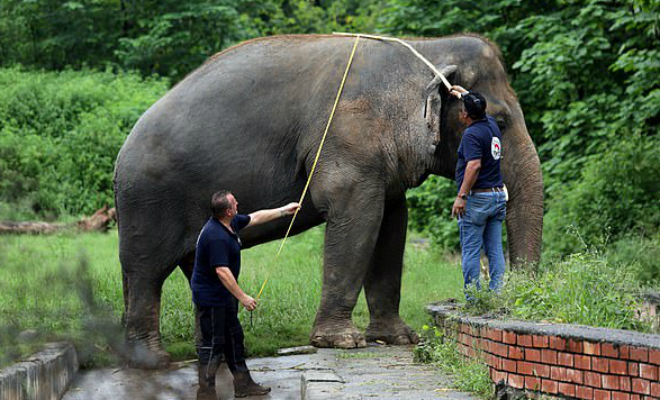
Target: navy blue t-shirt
481, 140
217, 246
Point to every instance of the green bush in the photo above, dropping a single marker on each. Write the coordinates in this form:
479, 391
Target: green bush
584, 288
60, 134
616, 194
641, 253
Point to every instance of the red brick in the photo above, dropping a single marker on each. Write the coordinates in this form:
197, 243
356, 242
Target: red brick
610, 382
591, 348
494, 361
465, 328
557, 343
584, 393
516, 381
635, 397
625, 384
599, 364
540, 341
624, 352
516, 353
476, 331
609, 350
655, 389
498, 376
565, 359
654, 356
575, 346
602, 394
533, 355
548, 386
649, 372
620, 396
527, 368
524, 340
509, 365
618, 367
558, 373
592, 379
567, 389
509, 337
549, 357
499, 349
639, 354
496, 334
582, 362
575, 376
532, 383
641, 386
633, 369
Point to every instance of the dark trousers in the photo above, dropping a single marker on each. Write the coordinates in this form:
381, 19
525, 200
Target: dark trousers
221, 333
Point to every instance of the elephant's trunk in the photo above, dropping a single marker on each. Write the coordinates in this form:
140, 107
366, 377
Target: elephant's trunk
524, 180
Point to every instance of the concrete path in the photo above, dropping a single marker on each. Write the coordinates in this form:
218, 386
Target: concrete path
375, 372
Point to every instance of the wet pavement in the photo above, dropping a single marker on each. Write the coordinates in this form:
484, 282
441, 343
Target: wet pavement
375, 372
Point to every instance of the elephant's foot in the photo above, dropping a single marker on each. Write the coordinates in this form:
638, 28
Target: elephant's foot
144, 356
337, 334
391, 331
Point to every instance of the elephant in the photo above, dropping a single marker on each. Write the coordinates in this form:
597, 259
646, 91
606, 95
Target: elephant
250, 120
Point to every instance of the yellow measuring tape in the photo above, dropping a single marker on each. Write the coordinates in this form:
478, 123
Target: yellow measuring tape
318, 154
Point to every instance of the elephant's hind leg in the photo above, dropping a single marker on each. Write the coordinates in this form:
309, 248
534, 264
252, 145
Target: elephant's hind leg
142, 319
382, 284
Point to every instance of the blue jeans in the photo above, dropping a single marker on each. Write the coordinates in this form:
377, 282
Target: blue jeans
481, 227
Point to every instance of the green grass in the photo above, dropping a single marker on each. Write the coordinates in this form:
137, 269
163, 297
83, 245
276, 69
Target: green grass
43, 285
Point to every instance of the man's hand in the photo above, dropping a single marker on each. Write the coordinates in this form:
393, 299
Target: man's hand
458, 209
263, 216
458, 91
249, 303
289, 209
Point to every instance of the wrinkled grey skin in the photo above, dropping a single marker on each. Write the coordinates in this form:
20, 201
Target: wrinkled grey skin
250, 120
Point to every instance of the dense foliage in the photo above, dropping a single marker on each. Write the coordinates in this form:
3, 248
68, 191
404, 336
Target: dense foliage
587, 73
59, 137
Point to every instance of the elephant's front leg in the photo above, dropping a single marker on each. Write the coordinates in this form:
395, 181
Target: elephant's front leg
350, 239
382, 284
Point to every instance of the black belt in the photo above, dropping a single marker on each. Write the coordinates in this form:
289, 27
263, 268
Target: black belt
493, 189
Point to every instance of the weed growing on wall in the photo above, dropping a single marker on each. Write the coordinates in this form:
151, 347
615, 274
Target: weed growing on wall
587, 288
442, 351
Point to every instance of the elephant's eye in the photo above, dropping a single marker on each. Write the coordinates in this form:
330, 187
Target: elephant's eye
501, 124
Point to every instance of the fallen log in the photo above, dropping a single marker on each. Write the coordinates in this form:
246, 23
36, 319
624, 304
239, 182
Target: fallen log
99, 222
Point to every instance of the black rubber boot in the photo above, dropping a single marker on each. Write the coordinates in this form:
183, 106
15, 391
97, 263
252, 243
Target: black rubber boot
206, 375
244, 386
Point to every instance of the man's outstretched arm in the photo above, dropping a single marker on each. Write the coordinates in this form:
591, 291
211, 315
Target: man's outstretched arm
263, 216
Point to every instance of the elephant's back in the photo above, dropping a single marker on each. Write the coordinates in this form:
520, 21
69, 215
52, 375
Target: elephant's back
254, 98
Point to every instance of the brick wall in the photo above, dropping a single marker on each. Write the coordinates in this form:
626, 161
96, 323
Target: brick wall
561, 360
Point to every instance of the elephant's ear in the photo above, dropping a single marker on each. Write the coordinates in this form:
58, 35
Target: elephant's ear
434, 102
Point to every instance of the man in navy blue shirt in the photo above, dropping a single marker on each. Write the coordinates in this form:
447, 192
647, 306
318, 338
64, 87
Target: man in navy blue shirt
216, 293
481, 201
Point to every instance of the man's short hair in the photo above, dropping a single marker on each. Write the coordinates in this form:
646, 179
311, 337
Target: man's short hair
220, 203
475, 105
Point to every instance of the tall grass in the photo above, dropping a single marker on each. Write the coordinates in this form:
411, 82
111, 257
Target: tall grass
40, 290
